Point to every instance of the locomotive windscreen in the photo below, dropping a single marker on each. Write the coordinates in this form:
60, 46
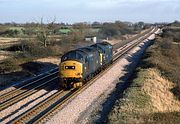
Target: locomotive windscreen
72, 56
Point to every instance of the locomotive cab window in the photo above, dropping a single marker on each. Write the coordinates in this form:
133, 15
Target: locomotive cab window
72, 56
64, 58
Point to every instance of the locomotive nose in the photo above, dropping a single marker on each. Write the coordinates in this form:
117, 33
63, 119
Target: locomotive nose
71, 69
71, 74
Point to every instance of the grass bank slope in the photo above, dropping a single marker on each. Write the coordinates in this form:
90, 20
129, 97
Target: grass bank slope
154, 93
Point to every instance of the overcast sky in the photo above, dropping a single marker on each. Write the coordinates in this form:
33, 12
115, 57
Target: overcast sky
89, 10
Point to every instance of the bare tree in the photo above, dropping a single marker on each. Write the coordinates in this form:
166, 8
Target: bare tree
44, 31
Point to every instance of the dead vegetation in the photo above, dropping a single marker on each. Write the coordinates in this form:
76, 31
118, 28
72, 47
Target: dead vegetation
154, 95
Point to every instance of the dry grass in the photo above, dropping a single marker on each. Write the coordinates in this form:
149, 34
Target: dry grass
5, 42
159, 90
148, 98
165, 56
8, 40
53, 60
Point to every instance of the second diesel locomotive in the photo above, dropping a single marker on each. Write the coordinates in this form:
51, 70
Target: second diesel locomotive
80, 65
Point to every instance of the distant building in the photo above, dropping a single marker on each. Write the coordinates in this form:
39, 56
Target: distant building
91, 38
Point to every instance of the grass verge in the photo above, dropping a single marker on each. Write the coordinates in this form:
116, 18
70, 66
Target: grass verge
153, 96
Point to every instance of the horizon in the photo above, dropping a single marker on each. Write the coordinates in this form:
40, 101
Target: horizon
66, 23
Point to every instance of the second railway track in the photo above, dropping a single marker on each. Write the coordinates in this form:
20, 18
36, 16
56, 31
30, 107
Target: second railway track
18, 94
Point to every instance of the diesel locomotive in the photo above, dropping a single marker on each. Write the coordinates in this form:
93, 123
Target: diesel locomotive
80, 65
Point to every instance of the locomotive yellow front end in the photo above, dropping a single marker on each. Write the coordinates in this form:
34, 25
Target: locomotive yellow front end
71, 74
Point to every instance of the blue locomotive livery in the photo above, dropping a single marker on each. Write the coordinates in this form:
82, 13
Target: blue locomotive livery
80, 65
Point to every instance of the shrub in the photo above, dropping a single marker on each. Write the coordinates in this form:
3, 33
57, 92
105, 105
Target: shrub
9, 65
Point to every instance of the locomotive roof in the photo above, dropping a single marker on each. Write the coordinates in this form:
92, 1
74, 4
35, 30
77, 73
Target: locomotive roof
89, 49
85, 51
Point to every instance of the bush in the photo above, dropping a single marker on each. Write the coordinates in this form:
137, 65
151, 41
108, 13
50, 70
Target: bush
172, 33
165, 56
32, 49
114, 29
9, 65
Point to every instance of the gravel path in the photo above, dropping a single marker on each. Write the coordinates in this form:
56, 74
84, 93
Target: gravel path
74, 110
20, 107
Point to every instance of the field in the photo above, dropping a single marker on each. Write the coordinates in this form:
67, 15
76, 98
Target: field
24, 44
25, 49
154, 92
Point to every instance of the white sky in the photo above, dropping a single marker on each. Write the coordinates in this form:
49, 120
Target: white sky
89, 10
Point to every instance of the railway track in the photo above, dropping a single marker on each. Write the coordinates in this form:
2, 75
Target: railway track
33, 113
125, 49
51, 105
22, 92
27, 81
118, 45
55, 102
